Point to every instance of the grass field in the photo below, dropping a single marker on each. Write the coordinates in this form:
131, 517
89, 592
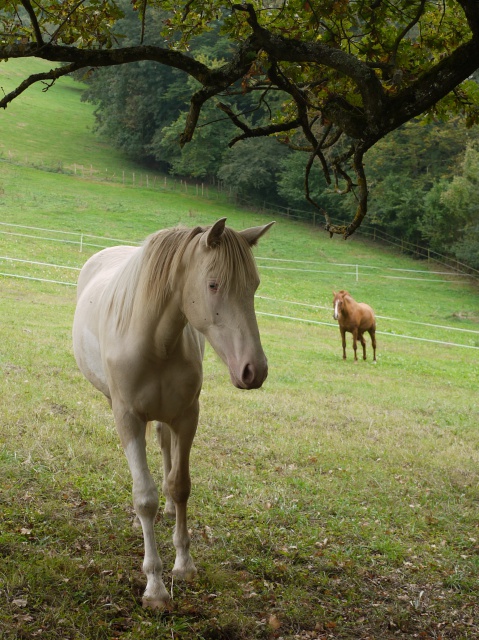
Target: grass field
338, 501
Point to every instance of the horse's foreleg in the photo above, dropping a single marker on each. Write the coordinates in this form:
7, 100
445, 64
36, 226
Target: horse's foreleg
179, 486
145, 502
163, 435
343, 340
355, 344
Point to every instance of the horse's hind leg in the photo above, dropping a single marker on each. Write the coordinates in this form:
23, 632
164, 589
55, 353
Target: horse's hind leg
372, 333
163, 435
179, 487
145, 502
363, 343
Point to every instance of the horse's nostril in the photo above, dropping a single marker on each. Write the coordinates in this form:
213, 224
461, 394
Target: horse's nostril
248, 374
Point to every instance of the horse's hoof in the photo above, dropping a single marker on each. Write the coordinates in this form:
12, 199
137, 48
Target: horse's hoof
188, 574
170, 511
156, 604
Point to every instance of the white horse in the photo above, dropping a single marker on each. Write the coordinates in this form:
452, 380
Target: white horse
138, 336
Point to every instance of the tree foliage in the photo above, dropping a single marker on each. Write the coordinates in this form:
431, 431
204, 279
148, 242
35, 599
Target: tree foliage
451, 216
134, 101
407, 164
350, 71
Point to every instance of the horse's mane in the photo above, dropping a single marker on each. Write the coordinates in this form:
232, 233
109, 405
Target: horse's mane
147, 278
345, 294
232, 263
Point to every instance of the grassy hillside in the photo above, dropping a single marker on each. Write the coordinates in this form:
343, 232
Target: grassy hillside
339, 501
51, 127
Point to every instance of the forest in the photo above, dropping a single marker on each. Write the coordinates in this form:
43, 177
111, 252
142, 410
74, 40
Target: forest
423, 176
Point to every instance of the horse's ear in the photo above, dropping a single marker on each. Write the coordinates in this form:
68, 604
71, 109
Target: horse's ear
253, 234
215, 232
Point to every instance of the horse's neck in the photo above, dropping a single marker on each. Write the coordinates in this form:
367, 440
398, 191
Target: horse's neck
348, 305
159, 327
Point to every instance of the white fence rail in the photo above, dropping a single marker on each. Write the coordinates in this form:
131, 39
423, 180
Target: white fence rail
83, 240
78, 238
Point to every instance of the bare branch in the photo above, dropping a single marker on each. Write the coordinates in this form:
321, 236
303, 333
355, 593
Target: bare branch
52, 75
65, 21
143, 18
258, 132
33, 18
405, 31
197, 101
347, 230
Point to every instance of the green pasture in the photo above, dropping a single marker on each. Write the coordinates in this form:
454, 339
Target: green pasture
339, 501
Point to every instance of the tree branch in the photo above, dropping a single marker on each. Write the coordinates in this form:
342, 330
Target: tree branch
405, 31
285, 49
197, 101
431, 87
33, 19
257, 132
65, 21
53, 74
471, 11
283, 60
143, 20
347, 230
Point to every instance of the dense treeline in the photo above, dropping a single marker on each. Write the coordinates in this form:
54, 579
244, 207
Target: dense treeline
425, 178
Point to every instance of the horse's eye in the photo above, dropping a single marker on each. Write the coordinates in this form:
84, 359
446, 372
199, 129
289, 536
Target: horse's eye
213, 286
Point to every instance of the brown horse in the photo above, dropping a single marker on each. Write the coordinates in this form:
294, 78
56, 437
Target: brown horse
355, 317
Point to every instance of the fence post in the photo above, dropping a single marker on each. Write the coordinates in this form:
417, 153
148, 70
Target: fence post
357, 273
81, 243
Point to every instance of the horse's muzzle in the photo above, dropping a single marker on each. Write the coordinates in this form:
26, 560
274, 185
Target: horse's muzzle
251, 377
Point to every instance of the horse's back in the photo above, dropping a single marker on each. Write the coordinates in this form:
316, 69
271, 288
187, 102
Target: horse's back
368, 318
102, 266
95, 275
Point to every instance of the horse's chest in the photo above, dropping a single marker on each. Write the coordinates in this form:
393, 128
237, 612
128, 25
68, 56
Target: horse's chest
166, 390
347, 322
157, 389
